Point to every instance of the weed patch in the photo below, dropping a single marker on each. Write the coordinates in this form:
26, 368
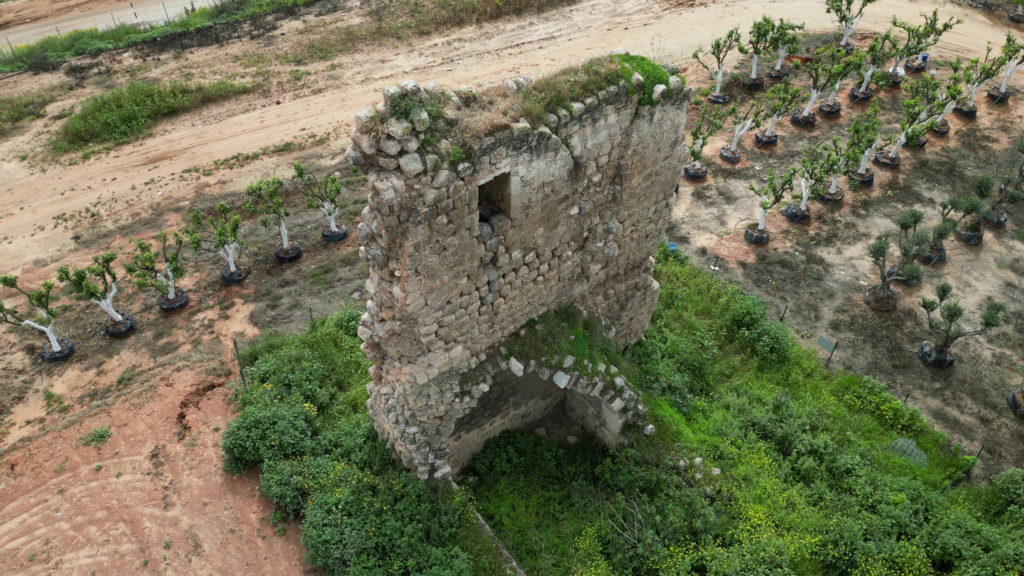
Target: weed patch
14, 109
124, 114
97, 437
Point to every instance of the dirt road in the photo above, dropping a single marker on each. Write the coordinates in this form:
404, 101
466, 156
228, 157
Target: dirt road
59, 513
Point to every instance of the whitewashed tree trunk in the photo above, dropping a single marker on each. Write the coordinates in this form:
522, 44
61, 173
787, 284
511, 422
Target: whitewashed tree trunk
945, 111
810, 102
769, 130
864, 159
229, 252
107, 304
1010, 69
834, 186
330, 210
753, 65
899, 144
740, 130
805, 194
972, 90
284, 234
832, 95
718, 80
169, 280
762, 217
783, 52
867, 79
848, 29
48, 330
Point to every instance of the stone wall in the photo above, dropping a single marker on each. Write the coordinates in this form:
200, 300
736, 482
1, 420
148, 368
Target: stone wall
462, 254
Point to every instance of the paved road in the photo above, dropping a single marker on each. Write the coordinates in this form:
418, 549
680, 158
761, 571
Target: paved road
93, 15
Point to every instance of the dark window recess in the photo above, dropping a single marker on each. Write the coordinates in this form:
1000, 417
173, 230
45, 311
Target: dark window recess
496, 197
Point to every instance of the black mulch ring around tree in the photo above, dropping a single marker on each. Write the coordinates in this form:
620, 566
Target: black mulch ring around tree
333, 237
230, 278
67, 348
180, 300
290, 254
117, 329
930, 357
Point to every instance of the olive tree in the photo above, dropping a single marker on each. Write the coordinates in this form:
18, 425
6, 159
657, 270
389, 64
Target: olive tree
720, 49
848, 13
876, 55
973, 73
709, 120
323, 193
881, 296
919, 38
830, 65
946, 328
97, 283
266, 198
779, 101
744, 120
159, 268
910, 243
785, 41
219, 234
861, 144
759, 40
776, 187
1013, 60
41, 301
921, 109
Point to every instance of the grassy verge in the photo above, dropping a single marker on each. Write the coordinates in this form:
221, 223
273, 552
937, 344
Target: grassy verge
124, 114
800, 471
50, 52
14, 109
304, 423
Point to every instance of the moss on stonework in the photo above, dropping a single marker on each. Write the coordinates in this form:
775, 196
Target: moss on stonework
551, 337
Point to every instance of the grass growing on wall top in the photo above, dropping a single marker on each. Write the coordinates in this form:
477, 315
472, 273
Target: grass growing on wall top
124, 114
561, 333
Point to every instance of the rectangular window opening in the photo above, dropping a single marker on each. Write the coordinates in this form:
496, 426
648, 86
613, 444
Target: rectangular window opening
496, 197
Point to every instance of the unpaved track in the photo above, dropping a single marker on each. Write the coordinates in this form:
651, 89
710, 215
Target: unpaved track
56, 507
475, 56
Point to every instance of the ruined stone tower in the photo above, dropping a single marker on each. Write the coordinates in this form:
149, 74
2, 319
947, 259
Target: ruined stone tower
466, 245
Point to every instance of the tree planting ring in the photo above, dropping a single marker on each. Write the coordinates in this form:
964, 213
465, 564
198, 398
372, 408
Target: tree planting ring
998, 96
866, 178
930, 357
762, 140
941, 127
116, 329
719, 98
914, 66
999, 220
331, 237
882, 303
753, 84
290, 254
831, 197
180, 300
857, 96
66, 350
831, 109
1015, 401
1016, 17
229, 278
755, 236
933, 256
919, 143
794, 214
730, 154
884, 160
695, 173
968, 237
805, 121
779, 73
966, 113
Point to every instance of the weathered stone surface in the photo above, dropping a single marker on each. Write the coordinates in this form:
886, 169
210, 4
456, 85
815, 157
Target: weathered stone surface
459, 260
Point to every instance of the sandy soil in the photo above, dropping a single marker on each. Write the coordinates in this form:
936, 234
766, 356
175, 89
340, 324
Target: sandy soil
58, 512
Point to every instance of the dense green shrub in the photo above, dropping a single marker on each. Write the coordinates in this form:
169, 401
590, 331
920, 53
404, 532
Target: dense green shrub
267, 431
14, 109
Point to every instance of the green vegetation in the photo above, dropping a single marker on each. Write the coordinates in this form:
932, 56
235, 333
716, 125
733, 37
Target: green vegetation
14, 109
127, 113
762, 463
562, 333
97, 437
304, 422
574, 84
50, 52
